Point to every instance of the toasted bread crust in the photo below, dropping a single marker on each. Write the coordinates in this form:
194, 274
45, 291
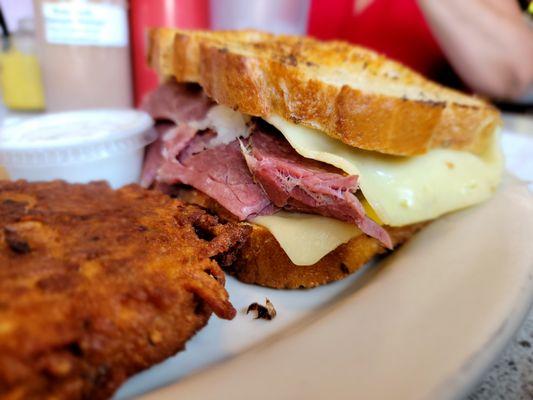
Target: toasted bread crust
351, 93
262, 261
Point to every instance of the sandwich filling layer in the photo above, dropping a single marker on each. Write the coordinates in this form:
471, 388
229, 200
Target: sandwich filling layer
250, 169
256, 169
405, 190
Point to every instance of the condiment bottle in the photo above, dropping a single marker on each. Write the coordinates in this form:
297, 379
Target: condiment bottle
146, 14
20, 77
84, 52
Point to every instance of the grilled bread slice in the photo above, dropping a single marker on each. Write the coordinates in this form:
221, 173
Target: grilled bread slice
351, 93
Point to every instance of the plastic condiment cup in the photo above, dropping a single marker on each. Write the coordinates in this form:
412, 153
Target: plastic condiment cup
78, 146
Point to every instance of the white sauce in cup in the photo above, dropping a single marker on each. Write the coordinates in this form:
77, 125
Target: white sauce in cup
78, 146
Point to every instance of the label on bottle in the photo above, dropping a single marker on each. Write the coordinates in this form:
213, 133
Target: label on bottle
85, 23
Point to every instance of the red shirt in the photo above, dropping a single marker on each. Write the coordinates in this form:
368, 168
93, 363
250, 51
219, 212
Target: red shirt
396, 28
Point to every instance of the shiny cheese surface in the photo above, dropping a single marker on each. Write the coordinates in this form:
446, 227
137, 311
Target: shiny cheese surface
405, 190
307, 238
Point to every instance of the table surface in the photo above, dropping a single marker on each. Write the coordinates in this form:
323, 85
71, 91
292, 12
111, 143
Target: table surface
511, 377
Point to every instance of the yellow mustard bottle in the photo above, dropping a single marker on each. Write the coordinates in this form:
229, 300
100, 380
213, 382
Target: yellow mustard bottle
20, 74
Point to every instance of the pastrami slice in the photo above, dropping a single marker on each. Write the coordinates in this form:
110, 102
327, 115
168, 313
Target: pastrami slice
172, 139
177, 102
263, 176
295, 183
222, 174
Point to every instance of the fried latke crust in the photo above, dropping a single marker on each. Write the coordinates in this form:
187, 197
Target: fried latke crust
96, 284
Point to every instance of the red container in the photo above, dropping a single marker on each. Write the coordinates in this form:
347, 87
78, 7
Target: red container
145, 14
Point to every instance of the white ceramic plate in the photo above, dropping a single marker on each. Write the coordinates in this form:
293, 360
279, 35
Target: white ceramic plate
422, 324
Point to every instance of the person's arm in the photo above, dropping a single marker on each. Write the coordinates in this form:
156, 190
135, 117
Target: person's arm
487, 42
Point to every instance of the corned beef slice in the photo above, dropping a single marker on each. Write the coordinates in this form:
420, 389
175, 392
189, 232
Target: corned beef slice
153, 157
177, 102
171, 104
177, 158
172, 140
296, 183
221, 173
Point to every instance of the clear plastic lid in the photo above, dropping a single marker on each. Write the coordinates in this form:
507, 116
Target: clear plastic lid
76, 136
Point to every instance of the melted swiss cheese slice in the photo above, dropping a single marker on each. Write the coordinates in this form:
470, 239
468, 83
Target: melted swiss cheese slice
306, 238
405, 190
